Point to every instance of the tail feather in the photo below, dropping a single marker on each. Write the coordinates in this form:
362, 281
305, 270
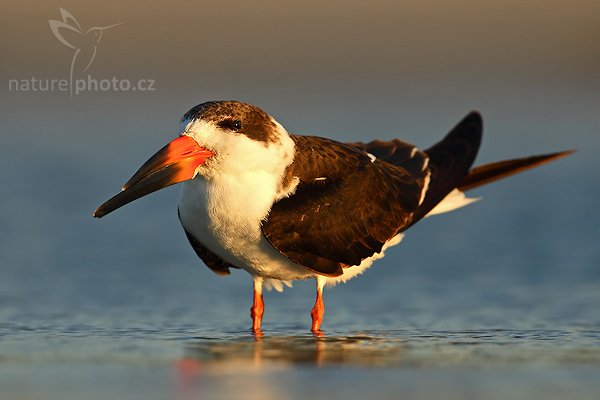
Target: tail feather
491, 172
450, 161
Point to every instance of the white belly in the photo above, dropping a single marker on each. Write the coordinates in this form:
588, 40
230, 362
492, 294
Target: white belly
225, 217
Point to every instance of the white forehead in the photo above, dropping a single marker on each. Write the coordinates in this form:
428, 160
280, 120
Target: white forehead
189, 125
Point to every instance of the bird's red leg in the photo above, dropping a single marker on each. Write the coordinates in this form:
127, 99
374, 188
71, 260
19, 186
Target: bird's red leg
258, 307
318, 310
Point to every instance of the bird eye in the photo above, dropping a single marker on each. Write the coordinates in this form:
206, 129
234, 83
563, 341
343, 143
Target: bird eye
231, 124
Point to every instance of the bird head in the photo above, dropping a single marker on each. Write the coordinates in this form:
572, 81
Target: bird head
216, 138
95, 33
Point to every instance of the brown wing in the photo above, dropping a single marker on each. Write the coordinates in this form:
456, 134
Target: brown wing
396, 152
212, 261
345, 206
448, 161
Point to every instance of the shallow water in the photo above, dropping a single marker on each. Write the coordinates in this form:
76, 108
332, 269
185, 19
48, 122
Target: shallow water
174, 363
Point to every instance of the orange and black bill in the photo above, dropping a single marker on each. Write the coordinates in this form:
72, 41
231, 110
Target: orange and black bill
174, 163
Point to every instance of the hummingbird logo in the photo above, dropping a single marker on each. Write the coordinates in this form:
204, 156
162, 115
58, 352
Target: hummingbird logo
85, 43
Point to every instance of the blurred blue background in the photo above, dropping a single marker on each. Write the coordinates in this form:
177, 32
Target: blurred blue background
92, 297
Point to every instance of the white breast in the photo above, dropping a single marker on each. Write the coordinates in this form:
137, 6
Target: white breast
225, 214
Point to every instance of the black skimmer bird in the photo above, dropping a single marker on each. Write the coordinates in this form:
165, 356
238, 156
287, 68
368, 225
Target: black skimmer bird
285, 207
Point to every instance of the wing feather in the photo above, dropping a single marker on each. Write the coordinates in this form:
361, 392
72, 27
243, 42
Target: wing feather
448, 161
337, 222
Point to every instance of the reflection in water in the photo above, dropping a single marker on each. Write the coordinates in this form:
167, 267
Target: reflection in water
281, 350
251, 364
244, 366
